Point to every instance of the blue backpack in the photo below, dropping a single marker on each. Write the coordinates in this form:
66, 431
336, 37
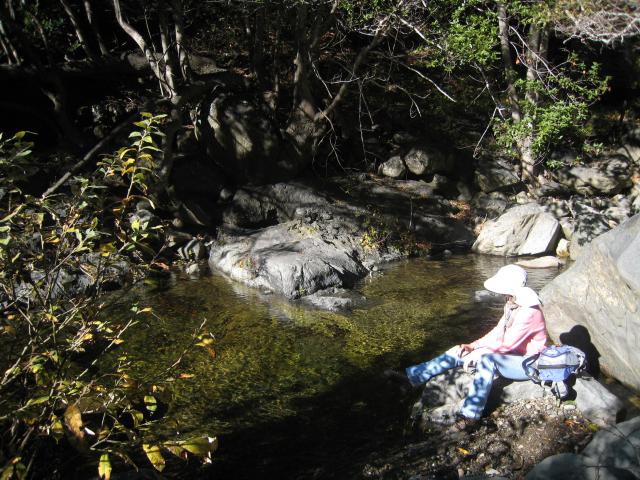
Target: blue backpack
555, 364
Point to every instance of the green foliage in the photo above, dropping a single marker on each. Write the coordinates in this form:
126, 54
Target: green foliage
52, 337
559, 117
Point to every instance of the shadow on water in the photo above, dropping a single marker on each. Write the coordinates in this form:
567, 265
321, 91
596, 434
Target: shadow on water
293, 392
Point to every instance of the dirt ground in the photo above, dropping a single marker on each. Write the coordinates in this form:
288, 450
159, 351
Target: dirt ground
508, 444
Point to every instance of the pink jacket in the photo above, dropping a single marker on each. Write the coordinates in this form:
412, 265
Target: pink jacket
525, 332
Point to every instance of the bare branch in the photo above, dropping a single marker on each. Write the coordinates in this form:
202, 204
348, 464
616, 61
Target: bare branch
603, 21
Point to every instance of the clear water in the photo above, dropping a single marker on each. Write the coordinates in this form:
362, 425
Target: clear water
293, 392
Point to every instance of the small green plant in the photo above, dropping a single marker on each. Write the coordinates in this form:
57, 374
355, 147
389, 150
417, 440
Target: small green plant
134, 167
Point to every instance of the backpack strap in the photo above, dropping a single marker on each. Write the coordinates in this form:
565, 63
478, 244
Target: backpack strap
529, 369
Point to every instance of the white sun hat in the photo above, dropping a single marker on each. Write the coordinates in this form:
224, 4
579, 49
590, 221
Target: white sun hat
526, 297
507, 280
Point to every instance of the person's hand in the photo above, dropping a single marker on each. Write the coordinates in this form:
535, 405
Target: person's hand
465, 348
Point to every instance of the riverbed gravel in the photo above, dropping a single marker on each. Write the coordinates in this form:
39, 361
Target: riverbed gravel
505, 444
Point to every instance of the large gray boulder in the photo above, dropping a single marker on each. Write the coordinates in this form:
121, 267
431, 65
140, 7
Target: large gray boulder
595, 304
522, 230
289, 258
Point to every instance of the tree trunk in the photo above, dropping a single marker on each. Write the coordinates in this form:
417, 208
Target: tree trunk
80, 31
183, 57
507, 61
302, 96
88, 8
156, 67
168, 54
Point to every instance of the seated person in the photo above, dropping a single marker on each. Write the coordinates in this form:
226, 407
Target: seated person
520, 333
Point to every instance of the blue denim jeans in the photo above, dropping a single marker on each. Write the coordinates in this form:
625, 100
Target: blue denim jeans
508, 366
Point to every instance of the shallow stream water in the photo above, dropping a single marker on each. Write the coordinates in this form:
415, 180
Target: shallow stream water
293, 392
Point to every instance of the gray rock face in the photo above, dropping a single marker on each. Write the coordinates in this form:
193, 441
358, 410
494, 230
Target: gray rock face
586, 228
606, 176
393, 168
595, 402
596, 302
491, 205
522, 230
611, 455
570, 466
334, 299
496, 175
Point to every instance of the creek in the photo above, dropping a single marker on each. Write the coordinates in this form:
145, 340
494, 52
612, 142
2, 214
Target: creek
293, 392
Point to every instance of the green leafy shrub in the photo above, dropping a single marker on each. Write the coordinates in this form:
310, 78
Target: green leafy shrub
53, 397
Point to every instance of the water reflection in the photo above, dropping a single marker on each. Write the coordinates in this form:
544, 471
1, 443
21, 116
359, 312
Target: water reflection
285, 379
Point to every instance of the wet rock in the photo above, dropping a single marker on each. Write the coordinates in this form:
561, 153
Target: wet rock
176, 238
487, 296
597, 300
334, 299
522, 230
193, 250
